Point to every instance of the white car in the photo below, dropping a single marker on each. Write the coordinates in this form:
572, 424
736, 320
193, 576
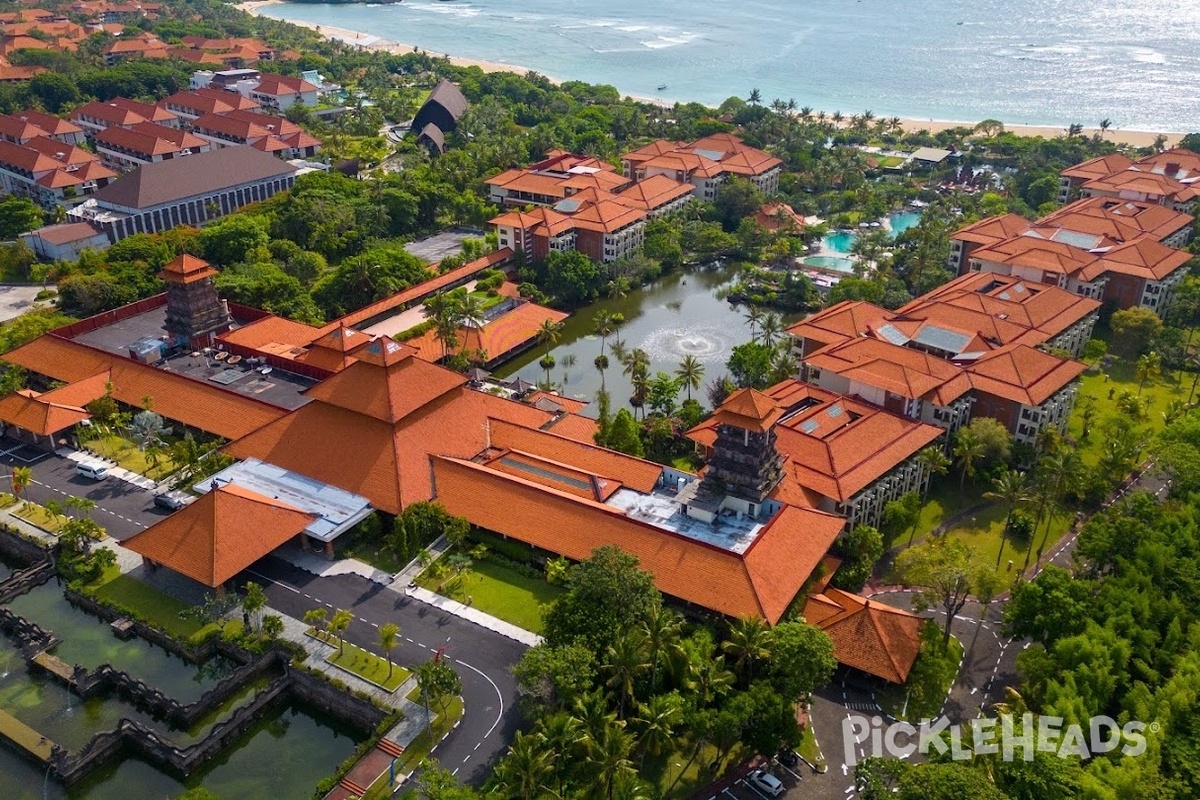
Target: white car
766, 783
95, 472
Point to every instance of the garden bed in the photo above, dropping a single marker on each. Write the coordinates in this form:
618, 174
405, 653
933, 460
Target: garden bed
361, 663
497, 590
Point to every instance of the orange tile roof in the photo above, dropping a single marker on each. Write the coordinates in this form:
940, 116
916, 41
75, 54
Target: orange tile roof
993, 230
501, 335
845, 320
605, 216
654, 192
331, 351
1145, 259
110, 113
1022, 374
458, 275
219, 535
868, 635
1030, 251
52, 125
1148, 183
544, 221
779, 216
31, 411
748, 409
900, 370
196, 403
9, 73
574, 426
834, 445
1100, 167
636, 473
759, 583
277, 85
186, 268
150, 139
344, 437
271, 330
516, 180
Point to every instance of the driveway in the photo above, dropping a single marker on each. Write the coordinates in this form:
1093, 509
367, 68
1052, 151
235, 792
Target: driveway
16, 299
483, 659
122, 509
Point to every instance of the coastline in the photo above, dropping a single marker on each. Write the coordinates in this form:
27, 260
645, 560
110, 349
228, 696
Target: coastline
1132, 138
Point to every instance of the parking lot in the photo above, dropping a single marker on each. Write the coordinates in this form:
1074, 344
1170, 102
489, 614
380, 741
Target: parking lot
744, 788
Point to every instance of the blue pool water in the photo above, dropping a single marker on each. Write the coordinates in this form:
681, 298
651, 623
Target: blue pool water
839, 241
830, 262
903, 220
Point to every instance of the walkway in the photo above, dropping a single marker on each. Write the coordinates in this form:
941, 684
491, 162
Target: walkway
409, 574
317, 564
470, 614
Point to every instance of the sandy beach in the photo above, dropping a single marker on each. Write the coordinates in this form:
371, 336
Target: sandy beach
912, 125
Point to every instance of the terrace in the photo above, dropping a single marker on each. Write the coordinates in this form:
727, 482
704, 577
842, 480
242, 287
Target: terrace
277, 387
730, 530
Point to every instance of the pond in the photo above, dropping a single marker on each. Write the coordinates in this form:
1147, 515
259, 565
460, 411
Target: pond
281, 756
89, 641
676, 316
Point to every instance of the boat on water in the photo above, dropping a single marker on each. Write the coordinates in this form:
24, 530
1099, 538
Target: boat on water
662, 86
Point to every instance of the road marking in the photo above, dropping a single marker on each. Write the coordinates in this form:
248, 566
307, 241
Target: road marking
468, 758
292, 589
499, 696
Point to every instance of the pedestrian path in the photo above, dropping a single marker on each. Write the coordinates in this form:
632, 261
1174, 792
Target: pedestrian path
415, 567
506, 629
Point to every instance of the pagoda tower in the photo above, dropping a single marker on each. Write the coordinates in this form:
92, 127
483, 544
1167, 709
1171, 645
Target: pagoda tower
193, 309
744, 462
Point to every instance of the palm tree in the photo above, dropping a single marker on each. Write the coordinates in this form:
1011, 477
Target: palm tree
755, 97
771, 326
21, 478
1058, 471
749, 641
601, 363
661, 630
1149, 368
338, 624
604, 324
610, 757
387, 642
968, 450
1010, 488
656, 722
526, 768
548, 334
618, 350
470, 312
626, 658
690, 373
837, 118
315, 618
934, 461
754, 318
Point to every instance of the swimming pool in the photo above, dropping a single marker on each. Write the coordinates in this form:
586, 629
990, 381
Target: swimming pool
903, 220
830, 262
839, 241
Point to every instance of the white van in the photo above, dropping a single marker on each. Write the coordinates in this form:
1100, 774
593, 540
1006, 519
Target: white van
95, 472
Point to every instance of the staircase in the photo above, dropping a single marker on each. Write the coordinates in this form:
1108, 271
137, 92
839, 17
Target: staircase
391, 748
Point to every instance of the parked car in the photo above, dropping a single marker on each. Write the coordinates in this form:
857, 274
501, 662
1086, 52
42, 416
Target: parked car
95, 472
166, 501
766, 783
789, 758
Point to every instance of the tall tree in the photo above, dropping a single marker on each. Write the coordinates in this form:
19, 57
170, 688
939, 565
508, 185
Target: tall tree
749, 642
388, 633
690, 374
968, 451
338, 624
942, 570
1011, 487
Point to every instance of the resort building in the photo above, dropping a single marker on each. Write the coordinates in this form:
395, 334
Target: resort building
96, 116
193, 104
835, 453
1121, 251
22, 126
594, 223
969, 348
51, 173
276, 135
185, 191
281, 92
123, 149
1169, 178
439, 115
705, 164
65, 241
552, 180
868, 635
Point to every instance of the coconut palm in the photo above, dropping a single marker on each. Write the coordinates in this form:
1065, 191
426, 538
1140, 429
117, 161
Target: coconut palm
548, 333
625, 660
968, 451
527, 768
601, 363
755, 97
471, 312
387, 642
754, 318
610, 758
1012, 489
771, 326
934, 461
749, 641
656, 722
21, 478
604, 324
547, 363
1149, 368
619, 351
690, 373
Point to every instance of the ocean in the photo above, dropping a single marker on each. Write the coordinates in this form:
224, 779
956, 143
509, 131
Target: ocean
1037, 62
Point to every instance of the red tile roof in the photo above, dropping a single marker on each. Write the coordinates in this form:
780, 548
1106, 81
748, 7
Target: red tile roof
992, 230
219, 535
277, 85
31, 411
868, 635
499, 336
748, 409
150, 139
271, 330
761, 582
1022, 374
186, 268
848, 319
196, 403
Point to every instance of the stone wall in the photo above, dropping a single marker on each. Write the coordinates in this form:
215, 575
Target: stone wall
317, 691
17, 547
29, 637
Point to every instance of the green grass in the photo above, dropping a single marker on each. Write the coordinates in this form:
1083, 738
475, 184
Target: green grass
360, 662
486, 300
930, 679
677, 775
158, 608
7, 499
1120, 378
443, 722
374, 553
496, 590
129, 456
41, 517
808, 748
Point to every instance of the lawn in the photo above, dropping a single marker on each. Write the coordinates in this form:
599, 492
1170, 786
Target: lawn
679, 775
364, 664
497, 590
129, 456
375, 553
41, 517
418, 750
930, 679
809, 749
149, 604
7, 499
1117, 378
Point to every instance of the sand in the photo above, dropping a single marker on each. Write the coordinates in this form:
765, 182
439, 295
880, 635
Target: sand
910, 124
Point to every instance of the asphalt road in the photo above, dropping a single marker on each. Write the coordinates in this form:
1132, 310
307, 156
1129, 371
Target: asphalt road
484, 659
122, 509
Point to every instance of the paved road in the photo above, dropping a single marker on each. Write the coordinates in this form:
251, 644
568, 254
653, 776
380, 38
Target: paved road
121, 508
483, 659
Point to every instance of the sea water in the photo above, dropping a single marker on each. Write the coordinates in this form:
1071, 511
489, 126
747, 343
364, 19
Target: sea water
1135, 63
